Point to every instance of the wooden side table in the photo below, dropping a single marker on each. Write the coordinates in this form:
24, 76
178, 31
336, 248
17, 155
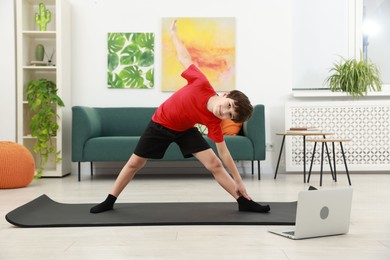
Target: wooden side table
303, 134
325, 141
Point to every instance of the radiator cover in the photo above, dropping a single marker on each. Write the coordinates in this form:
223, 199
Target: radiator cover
366, 123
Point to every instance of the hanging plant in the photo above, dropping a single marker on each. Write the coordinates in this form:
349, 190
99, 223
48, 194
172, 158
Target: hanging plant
355, 77
43, 100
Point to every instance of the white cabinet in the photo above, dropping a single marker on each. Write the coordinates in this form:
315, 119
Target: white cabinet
367, 123
56, 39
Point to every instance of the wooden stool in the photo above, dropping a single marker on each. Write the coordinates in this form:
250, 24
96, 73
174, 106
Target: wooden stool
303, 134
323, 142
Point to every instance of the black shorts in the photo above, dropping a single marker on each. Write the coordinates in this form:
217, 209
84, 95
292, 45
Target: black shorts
156, 139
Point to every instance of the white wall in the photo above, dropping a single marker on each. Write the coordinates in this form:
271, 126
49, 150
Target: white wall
264, 59
317, 40
263, 56
268, 59
7, 72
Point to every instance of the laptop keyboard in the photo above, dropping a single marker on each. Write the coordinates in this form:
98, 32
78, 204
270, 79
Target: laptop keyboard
289, 233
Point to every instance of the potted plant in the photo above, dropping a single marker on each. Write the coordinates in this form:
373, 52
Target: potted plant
354, 76
43, 100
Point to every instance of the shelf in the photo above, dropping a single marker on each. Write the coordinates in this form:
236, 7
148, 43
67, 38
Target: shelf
32, 137
29, 137
47, 2
327, 93
40, 34
32, 67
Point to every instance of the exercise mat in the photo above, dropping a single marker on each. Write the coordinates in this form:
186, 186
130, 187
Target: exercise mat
45, 212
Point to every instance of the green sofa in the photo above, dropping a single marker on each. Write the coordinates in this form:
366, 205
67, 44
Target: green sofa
111, 134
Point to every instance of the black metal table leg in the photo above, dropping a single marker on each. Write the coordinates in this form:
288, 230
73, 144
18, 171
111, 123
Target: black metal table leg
304, 159
329, 160
280, 154
334, 162
345, 163
327, 152
322, 162
79, 168
312, 159
91, 169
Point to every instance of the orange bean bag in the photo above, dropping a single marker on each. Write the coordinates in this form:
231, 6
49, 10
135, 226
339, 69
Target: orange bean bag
17, 165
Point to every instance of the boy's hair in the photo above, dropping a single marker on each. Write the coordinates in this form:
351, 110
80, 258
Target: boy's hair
242, 104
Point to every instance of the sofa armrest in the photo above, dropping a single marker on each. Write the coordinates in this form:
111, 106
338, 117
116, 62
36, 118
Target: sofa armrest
254, 129
85, 125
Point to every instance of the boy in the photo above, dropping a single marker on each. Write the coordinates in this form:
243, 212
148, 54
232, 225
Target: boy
174, 121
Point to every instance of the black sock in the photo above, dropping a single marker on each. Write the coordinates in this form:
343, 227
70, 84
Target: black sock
249, 205
106, 205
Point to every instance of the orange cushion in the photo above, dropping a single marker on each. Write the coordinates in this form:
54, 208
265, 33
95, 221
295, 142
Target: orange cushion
230, 128
17, 165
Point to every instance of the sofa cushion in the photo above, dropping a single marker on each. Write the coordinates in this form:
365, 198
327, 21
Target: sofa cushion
120, 148
112, 148
129, 121
240, 147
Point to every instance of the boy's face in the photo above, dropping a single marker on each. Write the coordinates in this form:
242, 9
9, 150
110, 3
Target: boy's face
224, 108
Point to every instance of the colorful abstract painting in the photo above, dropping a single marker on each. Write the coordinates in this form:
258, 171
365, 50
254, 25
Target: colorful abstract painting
212, 45
130, 60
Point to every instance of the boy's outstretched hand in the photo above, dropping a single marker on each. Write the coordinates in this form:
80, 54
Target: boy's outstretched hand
245, 203
241, 190
173, 28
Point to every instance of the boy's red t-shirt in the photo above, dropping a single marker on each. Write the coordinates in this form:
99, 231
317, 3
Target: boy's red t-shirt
188, 106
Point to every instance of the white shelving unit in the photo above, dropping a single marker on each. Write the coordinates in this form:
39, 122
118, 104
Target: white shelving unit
56, 38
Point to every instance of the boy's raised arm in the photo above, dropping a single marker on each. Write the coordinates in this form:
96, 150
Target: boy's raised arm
182, 53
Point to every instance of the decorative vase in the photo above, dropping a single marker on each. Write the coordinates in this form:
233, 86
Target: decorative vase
39, 52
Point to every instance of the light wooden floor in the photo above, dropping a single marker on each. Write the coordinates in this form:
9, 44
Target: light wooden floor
369, 236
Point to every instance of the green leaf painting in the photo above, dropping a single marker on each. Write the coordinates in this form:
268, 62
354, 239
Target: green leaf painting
130, 60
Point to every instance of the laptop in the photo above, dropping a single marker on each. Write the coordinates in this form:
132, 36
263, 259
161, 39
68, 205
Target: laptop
324, 212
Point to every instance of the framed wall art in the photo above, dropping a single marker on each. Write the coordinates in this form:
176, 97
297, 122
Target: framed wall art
130, 60
212, 46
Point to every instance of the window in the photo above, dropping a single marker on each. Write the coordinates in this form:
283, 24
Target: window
376, 36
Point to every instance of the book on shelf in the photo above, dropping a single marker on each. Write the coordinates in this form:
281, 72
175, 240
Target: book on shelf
306, 130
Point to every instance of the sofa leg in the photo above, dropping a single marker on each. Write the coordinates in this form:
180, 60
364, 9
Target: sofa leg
79, 169
91, 169
258, 169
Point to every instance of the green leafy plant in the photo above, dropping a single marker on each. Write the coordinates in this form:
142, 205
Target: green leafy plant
354, 76
43, 100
